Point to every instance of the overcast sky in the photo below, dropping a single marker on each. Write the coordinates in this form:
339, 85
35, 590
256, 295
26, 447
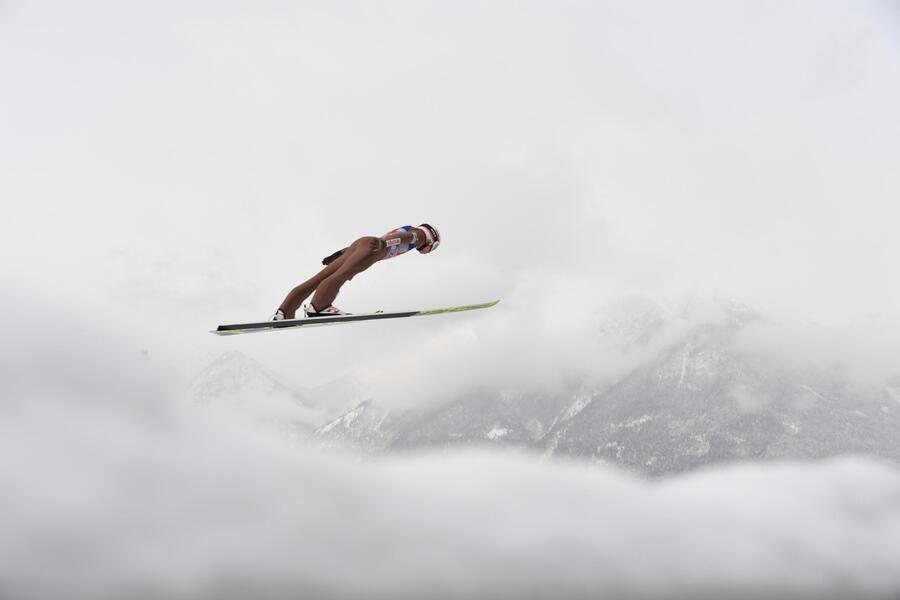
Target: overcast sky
170, 166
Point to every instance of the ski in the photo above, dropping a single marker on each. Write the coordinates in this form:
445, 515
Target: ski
240, 328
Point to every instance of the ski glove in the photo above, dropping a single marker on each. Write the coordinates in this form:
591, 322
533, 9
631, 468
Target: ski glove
332, 257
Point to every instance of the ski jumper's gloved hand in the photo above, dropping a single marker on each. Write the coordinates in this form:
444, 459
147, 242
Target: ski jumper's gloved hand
332, 257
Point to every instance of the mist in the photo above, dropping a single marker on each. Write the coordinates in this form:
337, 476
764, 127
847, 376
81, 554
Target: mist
178, 168
620, 175
111, 488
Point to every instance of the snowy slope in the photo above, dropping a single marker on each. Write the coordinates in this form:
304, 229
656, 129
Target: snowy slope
367, 427
706, 400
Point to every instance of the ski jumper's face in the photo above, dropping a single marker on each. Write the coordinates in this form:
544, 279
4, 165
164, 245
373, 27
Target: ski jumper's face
426, 248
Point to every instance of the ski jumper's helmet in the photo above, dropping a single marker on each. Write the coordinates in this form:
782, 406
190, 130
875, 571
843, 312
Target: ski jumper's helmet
432, 238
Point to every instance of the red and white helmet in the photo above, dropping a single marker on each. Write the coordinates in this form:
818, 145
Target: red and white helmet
432, 238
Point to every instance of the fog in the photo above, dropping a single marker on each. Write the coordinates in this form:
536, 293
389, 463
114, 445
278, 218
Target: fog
174, 167
167, 167
111, 489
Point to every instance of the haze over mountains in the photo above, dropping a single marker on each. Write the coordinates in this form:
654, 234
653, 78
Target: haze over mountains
110, 488
693, 387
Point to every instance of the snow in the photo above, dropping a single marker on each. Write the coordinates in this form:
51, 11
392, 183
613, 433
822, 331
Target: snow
684, 363
579, 403
109, 491
329, 426
812, 391
635, 422
497, 433
346, 420
894, 393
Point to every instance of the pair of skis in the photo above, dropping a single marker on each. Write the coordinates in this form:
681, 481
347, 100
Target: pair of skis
239, 328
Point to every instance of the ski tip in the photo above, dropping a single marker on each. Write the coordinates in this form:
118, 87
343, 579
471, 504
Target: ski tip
455, 309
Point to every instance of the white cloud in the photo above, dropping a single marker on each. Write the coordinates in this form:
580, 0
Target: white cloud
110, 491
741, 149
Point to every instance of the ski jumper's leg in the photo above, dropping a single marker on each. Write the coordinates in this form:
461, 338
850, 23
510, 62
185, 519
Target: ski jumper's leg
300, 293
361, 255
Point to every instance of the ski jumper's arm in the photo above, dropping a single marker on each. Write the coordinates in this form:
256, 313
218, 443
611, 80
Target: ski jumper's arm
333, 256
400, 237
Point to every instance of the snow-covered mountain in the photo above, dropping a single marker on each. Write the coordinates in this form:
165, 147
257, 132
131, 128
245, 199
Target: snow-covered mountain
705, 399
238, 386
695, 395
366, 427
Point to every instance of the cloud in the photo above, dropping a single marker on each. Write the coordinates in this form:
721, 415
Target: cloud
164, 169
861, 351
110, 489
743, 150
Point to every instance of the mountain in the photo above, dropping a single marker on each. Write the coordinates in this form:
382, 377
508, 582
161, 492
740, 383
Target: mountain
366, 427
237, 386
694, 394
706, 399
484, 417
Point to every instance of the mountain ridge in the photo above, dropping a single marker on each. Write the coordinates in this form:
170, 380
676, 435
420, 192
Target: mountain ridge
692, 392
